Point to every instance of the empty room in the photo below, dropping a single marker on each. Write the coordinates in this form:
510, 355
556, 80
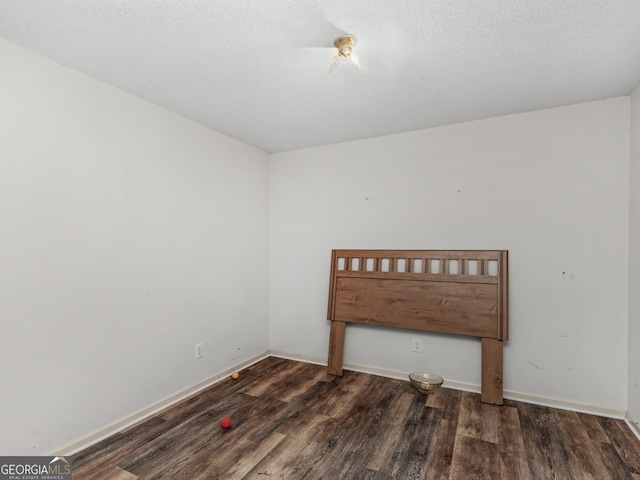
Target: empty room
231, 231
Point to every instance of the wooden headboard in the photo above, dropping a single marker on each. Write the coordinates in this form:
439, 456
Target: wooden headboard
462, 292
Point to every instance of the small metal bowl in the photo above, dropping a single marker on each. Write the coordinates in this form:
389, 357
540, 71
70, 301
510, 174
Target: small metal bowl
426, 382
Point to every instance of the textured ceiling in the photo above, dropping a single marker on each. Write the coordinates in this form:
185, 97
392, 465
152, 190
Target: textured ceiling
258, 70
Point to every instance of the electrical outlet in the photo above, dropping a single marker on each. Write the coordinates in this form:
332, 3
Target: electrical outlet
198, 350
417, 345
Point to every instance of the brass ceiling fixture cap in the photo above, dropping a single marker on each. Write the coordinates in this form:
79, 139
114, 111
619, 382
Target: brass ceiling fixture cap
345, 44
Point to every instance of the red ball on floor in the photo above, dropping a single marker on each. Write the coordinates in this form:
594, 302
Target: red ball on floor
225, 422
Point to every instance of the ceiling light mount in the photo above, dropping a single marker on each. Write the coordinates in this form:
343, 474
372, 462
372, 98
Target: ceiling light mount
345, 44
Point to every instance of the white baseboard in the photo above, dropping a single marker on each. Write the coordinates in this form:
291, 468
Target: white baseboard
298, 357
125, 422
140, 415
592, 409
633, 424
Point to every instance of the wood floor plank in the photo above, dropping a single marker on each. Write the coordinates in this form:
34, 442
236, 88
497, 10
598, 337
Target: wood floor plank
448, 401
351, 432
259, 373
591, 424
122, 443
311, 450
195, 403
513, 457
266, 364
95, 468
110, 472
289, 416
389, 431
546, 454
293, 421
297, 455
214, 455
368, 438
241, 466
410, 459
105, 471
190, 438
469, 424
93, 462
118, 474
475, 459
625, 443
587, 463
232, 461
616, 468
119, 444
337, 399
490, 421
478, 420
283, 381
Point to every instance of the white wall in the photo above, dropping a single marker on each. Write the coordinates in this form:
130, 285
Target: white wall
550, 186
634, 261
127, 235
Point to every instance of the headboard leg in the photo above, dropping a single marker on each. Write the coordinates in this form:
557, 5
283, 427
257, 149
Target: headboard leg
491, 371
336, 347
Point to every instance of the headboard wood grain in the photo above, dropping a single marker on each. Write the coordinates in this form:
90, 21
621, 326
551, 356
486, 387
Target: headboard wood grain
463, 292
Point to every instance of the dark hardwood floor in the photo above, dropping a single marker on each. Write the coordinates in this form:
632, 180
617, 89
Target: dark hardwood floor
292, 420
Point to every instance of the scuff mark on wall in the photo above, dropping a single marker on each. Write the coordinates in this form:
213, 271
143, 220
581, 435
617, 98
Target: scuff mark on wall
539, 367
